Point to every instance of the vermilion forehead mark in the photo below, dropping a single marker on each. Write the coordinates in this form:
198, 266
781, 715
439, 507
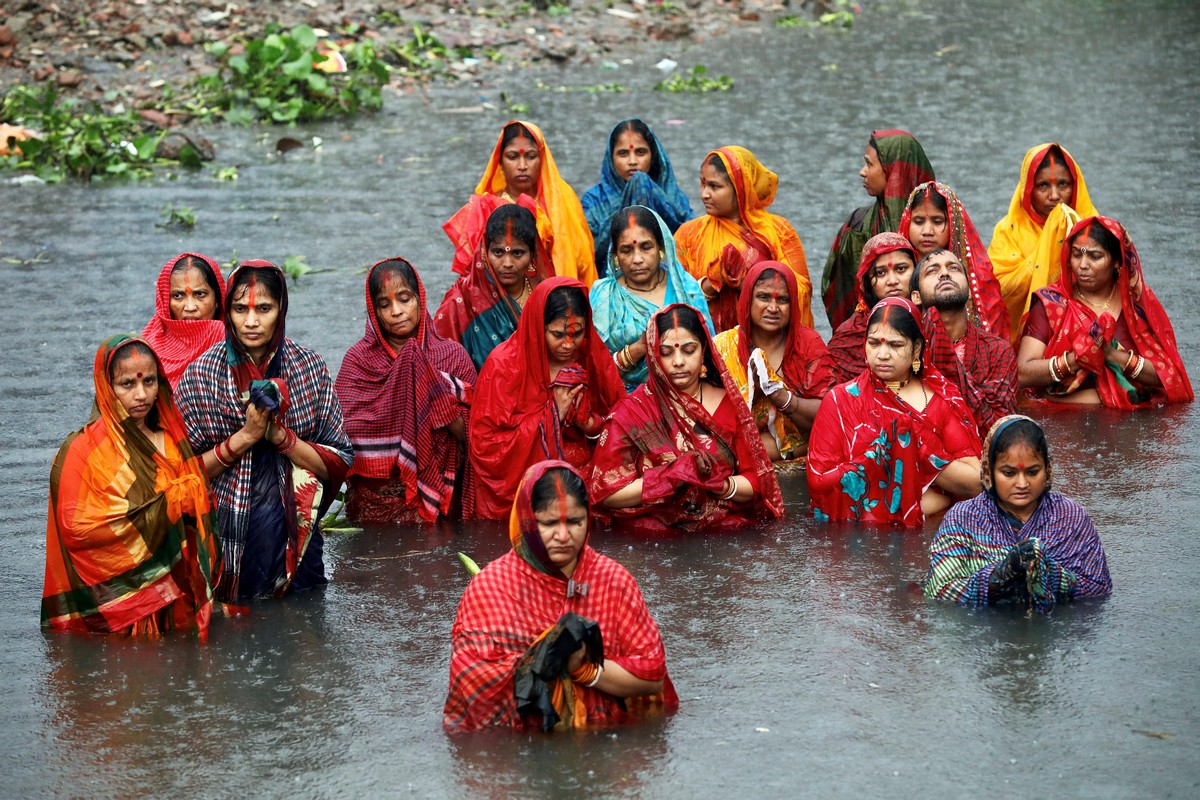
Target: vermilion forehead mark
523, 153
1021, 467
251, 296
678, 345
508, 235
139, 375
562, 501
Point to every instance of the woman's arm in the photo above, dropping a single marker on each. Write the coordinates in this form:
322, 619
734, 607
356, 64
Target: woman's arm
960, 477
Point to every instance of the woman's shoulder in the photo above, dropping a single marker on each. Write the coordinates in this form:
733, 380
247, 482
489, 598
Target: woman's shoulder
603, 568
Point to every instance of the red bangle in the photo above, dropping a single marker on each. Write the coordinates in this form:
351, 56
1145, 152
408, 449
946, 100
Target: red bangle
231, 456
290, 440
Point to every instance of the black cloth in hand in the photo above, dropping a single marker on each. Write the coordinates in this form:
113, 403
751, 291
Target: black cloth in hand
546, 661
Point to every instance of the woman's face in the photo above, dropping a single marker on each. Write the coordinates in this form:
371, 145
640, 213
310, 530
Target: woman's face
563, 338
397, 309
682, 357
1092, 266
1052, 184
562, 524
631, 154
891, 275
510, 260
770, 304
637, 255
874, 179
889, 354
928, 229
1019, 477
522, 164
135, 383
254, 314
191, 295
717, 194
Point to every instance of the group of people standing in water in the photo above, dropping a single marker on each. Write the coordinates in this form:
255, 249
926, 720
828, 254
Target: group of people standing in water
616, 360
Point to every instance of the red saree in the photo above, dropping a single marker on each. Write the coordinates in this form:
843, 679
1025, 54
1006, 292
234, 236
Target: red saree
653, 434
516, 599
514, 421
178, 342
396, 406
131, 539
1077, 328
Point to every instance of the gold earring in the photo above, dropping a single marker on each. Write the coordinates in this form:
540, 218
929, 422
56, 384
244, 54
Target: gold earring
662, 254
703, 370
916, 365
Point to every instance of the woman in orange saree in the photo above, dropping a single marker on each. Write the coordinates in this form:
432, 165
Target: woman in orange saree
131, 541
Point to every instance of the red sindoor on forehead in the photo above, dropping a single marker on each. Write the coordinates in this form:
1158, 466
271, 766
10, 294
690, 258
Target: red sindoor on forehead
251, 292
508, 234
561, 490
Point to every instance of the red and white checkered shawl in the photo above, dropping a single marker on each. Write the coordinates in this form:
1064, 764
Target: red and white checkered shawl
397, 407
210, 401
178, 342
516, 598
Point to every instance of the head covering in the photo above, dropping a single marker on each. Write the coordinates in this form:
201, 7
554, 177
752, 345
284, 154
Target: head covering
522, 526
1149, 327
177, 342
130, 530
988, 458
657, 190
803, 364
986, 306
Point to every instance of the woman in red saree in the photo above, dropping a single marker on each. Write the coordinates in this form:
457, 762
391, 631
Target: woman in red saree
895, 445
886, 270
737, 232
1099, 335
543, 393
521, 164
187, 313
682, 451
553, 634
404, 392
131, 539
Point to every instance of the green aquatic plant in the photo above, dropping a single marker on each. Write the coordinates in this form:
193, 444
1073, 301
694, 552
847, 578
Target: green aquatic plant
177, 217
842, 16
469, 563
695, 79
295, 267
276, 79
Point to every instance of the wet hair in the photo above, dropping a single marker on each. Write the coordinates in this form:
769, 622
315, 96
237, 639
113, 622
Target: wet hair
1020, 431
564, 301
394, 266
898, 318
868, 289
688, 318
1105, 239
641, 129
639, 216
123, 353
717, 163
933, 196
915, 283
521, 221
266, 279
515, 130
188, 262
1054, 157
556, 482
768, 274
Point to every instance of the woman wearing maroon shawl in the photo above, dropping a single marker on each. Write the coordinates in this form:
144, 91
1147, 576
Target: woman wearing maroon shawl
780, 365
1099, 335
893, 164
187, 313
886, 269
886, 446
553, 634
404, 394
683, 451
543, 393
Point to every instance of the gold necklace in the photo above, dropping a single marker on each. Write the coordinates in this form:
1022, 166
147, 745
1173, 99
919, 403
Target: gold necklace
896, 386
1101, 308
699, 395
520, 299
662, 276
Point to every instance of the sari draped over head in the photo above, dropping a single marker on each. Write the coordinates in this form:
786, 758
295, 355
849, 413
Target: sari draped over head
1077, 328
1025, 249
905, 166
656, 434
560, 221
976, 536
397, 405
723, 251
981, 364
514, 419
477, 311
269, 508
806, 370
516, 600
986, 305
846, 344
655, 190
177, 342
871, 455
131, 540
620, 316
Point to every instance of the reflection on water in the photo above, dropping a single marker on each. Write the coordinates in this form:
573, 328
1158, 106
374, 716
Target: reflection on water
805, 656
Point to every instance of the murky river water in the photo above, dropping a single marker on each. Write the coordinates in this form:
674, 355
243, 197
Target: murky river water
807, 661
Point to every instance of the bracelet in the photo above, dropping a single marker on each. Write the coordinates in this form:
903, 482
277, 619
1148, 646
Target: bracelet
587, 674
784, 408
1054, 376
732, 491
231, 456
595, 680
1129, 361
1138, 369
708, 296
290, 440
